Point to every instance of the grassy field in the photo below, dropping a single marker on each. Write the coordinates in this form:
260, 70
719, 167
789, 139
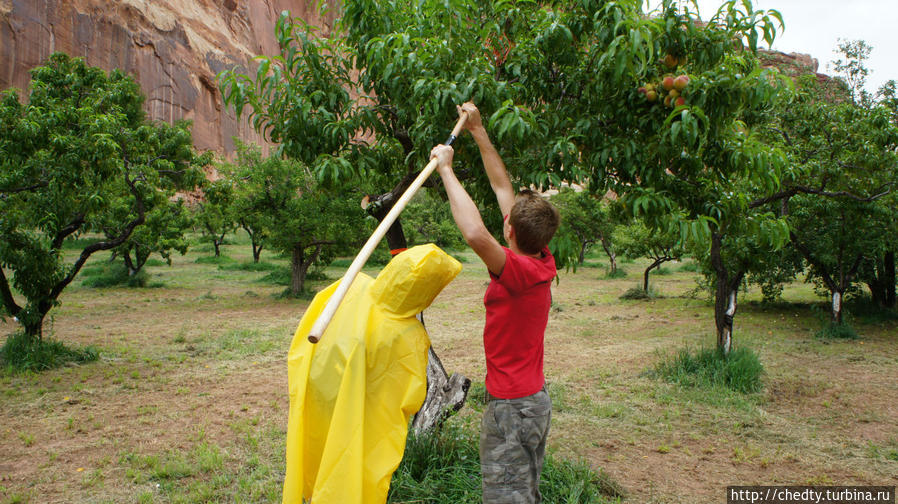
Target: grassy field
188, 401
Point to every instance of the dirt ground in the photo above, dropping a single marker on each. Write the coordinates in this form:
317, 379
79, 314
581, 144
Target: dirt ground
192, 378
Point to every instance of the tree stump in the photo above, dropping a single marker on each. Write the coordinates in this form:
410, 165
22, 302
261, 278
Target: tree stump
445, 395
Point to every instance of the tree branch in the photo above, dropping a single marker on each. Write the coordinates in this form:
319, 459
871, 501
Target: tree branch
25, 189
883, 190
63, 233
6, 296
106, 245
809, 257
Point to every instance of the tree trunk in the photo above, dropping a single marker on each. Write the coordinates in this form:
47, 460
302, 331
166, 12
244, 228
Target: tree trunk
33, 320
889, 279
724, 310
216, 244
877, 282
35, 330
836, 314
395, 234
727, 287
645, 276
612, 257
445, 395
254, 241
132, 270
298, 273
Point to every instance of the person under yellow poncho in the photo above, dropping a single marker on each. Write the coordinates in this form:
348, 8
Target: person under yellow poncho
352, 394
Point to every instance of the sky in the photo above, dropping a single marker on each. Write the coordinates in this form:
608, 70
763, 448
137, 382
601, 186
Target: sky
815, 26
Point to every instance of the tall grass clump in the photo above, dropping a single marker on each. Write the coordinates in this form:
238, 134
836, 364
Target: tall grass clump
221, 259
112, 275
638, 293
740, 371
21, 352
832, 330
443, 467
248, 266
618, 273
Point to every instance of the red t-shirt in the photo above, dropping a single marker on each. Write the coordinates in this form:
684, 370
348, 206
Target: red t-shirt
517, 310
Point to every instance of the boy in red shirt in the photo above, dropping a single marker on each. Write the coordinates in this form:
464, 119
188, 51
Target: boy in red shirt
516, 422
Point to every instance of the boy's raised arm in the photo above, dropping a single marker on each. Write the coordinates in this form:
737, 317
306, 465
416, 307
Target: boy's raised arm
492, 162
466, 215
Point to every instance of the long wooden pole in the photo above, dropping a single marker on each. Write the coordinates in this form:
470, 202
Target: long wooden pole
337, 297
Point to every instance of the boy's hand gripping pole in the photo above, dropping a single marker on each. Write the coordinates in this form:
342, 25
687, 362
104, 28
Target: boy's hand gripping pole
337, 297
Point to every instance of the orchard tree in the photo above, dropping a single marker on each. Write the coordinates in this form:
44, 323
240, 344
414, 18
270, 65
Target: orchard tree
589, 219
213, 212
659, 245
253, 192
73, 154
163, 232
286, 209
661, 109
307, 221
428, 219
658, 108
839, 200
363, 106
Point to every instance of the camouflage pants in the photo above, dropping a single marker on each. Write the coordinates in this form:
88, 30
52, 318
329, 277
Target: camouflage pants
512, 447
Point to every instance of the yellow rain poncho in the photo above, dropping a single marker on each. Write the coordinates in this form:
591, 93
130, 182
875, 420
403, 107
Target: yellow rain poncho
352, 393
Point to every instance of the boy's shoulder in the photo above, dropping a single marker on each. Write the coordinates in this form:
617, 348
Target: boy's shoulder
529, 269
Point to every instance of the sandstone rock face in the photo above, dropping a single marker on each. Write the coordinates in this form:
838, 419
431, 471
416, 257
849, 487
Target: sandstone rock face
173, 48
800, 63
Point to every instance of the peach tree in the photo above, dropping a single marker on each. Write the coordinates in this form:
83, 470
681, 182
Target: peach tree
77, 155
659, 108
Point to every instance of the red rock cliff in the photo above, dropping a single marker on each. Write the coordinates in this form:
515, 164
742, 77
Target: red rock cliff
173, 48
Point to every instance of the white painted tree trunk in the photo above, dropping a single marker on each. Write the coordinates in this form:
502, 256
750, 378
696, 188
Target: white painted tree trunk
837, 307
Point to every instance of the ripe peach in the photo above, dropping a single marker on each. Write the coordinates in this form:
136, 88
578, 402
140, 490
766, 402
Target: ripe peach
680, 82
667, 83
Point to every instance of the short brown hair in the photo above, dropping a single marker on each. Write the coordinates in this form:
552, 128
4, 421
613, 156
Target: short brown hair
534, 220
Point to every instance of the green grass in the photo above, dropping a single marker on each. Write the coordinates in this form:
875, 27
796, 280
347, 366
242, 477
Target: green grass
80, 243
637, 293
248, 470
105, 274
688, 267
618, 273
280, 276
249, 266
662, 271
25, 353
837, 331
444, 467
221, 259
740, 371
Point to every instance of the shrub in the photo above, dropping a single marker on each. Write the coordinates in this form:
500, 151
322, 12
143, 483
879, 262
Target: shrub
26, 353
740, 371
